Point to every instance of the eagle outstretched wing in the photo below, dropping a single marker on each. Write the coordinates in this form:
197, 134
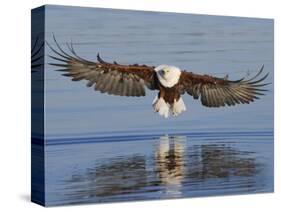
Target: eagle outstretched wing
111, 78
36, 55
219, 92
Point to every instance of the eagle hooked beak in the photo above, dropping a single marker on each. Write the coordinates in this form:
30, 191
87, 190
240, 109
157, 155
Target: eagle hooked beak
165, 71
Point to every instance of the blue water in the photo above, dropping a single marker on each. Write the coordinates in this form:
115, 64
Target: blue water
149, 167
102, 148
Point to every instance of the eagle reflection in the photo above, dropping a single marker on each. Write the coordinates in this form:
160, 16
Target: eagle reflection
174, 163
221, 160
170, 163
115, 177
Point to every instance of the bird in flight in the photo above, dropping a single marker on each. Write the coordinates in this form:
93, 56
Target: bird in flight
170, 81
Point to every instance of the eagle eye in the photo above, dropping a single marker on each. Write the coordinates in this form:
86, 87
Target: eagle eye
165, 70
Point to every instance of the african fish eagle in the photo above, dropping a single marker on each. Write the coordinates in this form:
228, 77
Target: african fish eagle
170, 81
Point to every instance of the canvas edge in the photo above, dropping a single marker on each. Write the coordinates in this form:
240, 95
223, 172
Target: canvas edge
37, 106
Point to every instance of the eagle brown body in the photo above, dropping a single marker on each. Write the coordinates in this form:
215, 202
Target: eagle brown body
170, 95
170, 81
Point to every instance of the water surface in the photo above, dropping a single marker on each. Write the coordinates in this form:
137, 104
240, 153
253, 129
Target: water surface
153, 167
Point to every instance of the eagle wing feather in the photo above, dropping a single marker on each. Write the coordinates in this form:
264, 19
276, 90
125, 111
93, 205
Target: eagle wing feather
36, 55
110, 78
219, 92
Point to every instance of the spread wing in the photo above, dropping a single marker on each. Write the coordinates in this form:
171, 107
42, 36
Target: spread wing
110, 78
217, 92
36, 55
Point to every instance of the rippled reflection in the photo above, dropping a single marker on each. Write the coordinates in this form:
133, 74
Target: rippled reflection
169, 162
175, 167
119, 176
221, 161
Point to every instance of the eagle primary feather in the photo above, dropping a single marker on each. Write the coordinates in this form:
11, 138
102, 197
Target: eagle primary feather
36, 55
131, 80
218, 92
123, 80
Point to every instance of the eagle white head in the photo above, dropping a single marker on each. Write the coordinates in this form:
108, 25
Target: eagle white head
168, 75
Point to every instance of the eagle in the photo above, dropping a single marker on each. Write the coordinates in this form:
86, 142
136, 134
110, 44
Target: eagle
170, 81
